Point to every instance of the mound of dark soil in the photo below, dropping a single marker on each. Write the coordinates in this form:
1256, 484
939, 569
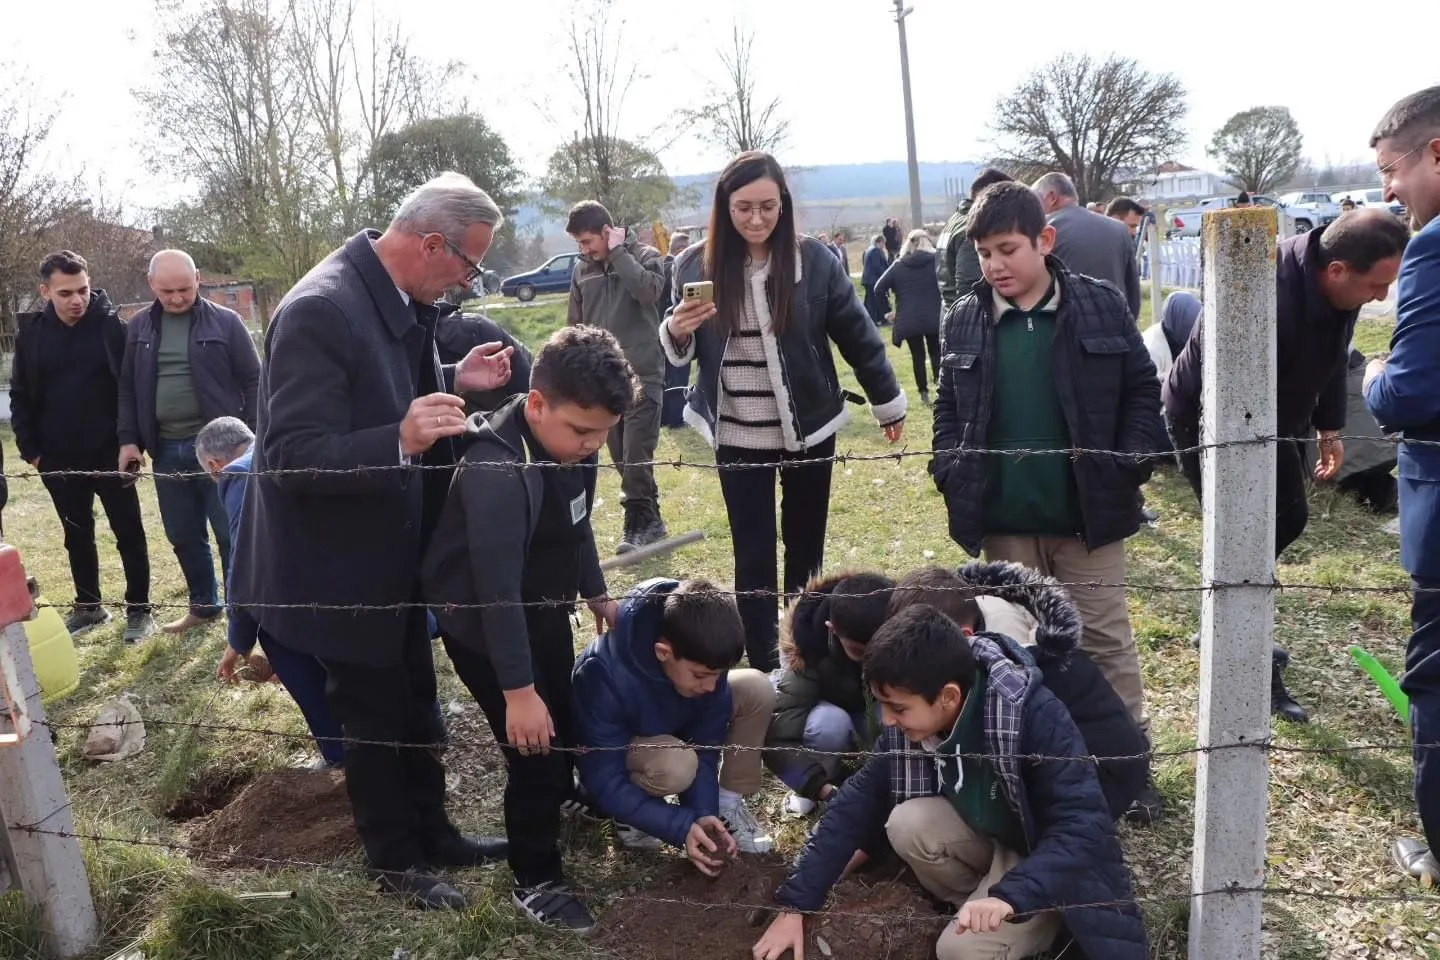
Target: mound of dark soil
294, 815
689, 915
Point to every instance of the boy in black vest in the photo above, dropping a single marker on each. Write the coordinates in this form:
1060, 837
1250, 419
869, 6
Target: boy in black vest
514, 537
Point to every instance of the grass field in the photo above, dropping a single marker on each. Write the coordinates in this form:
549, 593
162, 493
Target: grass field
1331, 816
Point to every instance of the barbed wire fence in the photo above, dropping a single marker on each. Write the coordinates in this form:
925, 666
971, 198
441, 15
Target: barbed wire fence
1237, 592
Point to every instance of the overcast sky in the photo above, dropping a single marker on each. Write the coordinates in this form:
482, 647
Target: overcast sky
835, 63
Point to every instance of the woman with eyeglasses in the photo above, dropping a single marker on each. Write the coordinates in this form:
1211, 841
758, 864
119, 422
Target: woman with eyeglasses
767, 392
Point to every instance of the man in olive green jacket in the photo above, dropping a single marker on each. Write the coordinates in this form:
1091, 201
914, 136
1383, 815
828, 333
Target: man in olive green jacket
957, 265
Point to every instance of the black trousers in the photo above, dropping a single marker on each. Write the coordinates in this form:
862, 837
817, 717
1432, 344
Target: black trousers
397, 793
918, 346
1292, 510
804, 509
74, 499
536, 785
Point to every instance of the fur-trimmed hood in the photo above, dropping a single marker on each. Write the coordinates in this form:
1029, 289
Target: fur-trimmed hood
803, 634
1058, 620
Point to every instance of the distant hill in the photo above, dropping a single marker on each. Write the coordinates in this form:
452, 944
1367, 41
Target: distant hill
846, 195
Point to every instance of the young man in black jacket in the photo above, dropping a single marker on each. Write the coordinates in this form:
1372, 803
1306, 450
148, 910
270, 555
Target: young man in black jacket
64, 388
1041, 359
513, 551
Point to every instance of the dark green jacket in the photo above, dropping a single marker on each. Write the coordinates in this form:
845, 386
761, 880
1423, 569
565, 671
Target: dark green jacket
959, 265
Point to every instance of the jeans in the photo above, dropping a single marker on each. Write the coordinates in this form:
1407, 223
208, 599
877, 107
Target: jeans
1421, 684
189, 499
828, 729
304, 679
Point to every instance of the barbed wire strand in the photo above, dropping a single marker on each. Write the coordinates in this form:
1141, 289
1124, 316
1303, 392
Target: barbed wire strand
223, 856
1094, 759
978, 589
905, 453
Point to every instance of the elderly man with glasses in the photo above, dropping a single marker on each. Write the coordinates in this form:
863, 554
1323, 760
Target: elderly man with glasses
351, 463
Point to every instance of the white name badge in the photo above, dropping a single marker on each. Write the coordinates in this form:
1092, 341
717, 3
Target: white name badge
577, 509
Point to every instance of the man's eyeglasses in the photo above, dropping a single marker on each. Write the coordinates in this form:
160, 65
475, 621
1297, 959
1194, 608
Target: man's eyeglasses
1388, 171
471, 274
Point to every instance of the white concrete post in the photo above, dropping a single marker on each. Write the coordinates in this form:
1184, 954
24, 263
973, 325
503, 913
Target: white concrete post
1152, 241
50, 869
1237, 403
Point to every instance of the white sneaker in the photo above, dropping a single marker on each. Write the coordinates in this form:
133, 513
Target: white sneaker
798, 806
749, 836
632, 838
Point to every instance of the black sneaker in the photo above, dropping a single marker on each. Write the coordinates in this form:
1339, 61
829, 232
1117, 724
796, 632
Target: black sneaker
419, 888
1281, 703
1148, 807
84, 617
555, 906
580, 805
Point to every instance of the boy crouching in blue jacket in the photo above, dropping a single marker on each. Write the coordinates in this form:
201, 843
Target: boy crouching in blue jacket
1010, 840
662, 678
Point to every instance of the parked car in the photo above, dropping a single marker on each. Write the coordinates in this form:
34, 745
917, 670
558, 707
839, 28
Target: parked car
552, 277
1186, 222
1326, 211
487, 283
1371, 197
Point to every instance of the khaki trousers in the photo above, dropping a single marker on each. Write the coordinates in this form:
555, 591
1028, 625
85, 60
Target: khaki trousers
957, 865
660, 767
1106, 635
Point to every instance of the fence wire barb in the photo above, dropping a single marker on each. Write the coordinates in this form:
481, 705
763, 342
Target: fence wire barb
1263, 744
1228, 890
680, 462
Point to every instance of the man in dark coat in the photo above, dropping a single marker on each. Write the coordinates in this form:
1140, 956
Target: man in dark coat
1322, 279
872, 267
353, 403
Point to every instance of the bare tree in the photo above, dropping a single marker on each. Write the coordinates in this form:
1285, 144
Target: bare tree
31, 199
734, 118
1093, 120
1260, 148
601, 82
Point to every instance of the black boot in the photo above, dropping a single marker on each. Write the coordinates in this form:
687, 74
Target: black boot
1281, 703
651, 528
634, 524
420, 888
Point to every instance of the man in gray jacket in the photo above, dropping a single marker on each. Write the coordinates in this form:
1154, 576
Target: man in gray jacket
187, 361
619, 285
1088, 242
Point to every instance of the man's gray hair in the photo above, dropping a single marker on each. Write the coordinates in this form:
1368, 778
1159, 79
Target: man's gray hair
222, 439
1414, 120
450, 204
1058, 184
180, 255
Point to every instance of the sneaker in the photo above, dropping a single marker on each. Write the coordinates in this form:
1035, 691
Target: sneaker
798, 806
1148, 807
1281, 703
555, 906
580, 805
138, 625
82, 618
633, 838
749, 836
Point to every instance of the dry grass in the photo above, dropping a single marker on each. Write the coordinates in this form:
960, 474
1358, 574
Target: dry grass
1331, 817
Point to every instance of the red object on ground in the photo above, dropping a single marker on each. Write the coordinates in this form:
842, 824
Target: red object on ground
16, 604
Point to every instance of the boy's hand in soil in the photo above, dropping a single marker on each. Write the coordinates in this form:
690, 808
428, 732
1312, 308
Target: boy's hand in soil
528, 725
857, 860
983, 916
786, 932
705, 838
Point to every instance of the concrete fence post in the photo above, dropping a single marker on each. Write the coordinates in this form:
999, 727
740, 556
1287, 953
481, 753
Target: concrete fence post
50, 869
1236, 622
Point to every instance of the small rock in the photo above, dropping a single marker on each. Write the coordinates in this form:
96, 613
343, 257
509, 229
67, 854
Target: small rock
878, 482
823, 947
928, 554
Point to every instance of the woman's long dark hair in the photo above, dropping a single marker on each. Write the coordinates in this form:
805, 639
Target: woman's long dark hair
726, 250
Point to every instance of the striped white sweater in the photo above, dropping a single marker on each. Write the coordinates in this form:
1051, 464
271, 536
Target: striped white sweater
749, 415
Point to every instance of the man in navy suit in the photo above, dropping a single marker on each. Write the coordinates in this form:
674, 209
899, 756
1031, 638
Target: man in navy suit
1403, 392
353, 403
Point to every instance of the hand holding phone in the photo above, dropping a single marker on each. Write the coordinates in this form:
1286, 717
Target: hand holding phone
696, 306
